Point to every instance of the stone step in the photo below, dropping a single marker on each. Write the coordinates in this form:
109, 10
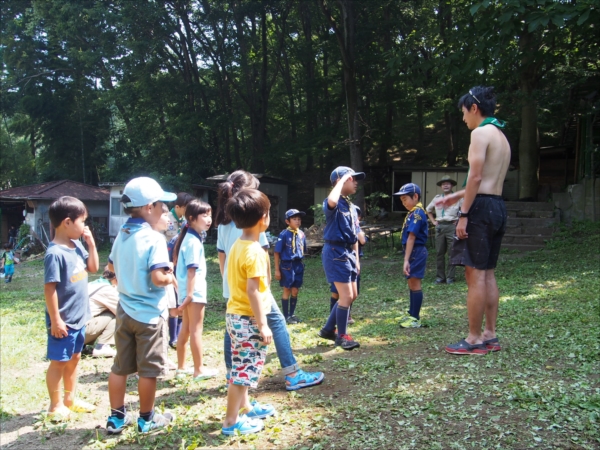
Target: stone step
526, 239
529, 206
521, 247
536, 231
532, 222
533, 214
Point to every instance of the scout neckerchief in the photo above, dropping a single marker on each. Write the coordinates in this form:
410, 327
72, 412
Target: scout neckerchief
417, 206
177, 218
294, 237
488, 120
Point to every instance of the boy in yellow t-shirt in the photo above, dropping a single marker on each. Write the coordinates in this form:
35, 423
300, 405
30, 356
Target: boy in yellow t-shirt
248, 276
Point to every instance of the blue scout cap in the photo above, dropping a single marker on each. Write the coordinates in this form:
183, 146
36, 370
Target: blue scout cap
143, 191
293, 212
339, 172
409, 188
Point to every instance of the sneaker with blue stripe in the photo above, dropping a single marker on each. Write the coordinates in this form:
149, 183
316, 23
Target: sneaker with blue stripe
115, 425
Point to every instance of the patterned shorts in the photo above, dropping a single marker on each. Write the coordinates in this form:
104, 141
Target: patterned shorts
248, 353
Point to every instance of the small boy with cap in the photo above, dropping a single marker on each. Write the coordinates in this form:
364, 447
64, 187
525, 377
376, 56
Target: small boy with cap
414, 238
140, 261
340, 253
289, 265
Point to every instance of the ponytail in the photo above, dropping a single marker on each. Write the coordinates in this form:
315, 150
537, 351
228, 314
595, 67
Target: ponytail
182, 234
236, 181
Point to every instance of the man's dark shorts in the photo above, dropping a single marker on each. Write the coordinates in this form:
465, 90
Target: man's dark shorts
486, 227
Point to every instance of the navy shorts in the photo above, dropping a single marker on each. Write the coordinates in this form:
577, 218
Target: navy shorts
339, 263
417, 261
292, 273
64, 348
334, 290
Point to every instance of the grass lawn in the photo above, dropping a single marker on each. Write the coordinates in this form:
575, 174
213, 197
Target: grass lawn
399, 390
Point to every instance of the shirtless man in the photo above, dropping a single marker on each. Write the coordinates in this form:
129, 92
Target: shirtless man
482, 219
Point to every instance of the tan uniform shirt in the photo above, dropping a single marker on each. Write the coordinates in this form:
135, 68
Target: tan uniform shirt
449, 214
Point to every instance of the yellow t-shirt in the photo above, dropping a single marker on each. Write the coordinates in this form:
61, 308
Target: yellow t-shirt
246, 259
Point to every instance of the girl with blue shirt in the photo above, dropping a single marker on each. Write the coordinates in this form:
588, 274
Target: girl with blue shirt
190, 269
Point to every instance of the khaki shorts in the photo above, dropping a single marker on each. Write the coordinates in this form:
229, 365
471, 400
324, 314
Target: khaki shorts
141, 347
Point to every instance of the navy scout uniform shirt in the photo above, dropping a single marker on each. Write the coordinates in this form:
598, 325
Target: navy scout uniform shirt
416, 223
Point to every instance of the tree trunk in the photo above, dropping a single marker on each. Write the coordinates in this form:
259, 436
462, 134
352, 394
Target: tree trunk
451, 132
529, 149
420, 128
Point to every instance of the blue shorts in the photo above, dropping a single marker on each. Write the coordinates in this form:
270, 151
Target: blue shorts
292, 273
64, 348
334, 290
418, 261
9, 269
339, 263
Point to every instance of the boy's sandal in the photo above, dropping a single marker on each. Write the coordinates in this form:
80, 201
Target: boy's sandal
182, 373
493, 345
62, 414
303, 380
260, 410
80, 406
464, 348
243, 426
208, 373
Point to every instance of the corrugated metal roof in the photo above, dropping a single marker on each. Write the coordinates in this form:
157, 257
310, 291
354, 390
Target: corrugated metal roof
54, 189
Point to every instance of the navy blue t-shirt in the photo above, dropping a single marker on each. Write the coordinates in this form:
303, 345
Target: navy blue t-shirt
67, 267
416, 223
340, 222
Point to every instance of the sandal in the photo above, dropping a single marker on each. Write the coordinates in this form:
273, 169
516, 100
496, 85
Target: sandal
303, 379
493, 345
464, 348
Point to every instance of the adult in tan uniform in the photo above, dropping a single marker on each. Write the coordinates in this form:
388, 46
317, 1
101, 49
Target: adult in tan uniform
445, 225
482, 219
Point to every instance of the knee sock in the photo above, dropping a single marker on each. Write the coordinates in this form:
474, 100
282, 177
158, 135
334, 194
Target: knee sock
416, 300
285, 306
332, 320
342, 319
172, 329
118, 412
293, 302
147, 416
332, 302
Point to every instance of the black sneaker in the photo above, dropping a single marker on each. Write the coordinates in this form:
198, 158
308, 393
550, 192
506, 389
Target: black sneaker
292, 320
450, 281
329, 335
345, 341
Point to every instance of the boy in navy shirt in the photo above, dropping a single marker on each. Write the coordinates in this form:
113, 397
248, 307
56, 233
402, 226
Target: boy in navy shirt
414, 238
340, 253
289, 267
66, 267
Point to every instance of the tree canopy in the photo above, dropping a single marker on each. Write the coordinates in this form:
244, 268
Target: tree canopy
103, 90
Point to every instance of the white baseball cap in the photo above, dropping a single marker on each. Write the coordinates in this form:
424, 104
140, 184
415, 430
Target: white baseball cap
143, 191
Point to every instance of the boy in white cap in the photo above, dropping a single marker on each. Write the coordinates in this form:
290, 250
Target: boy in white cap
140, 261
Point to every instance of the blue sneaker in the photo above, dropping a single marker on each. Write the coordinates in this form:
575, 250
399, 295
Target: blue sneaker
243, 426
158, 421
303, 379
114, 425
260, 410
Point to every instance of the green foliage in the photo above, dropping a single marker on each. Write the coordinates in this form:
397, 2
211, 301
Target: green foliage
373, 204
319, 215
24, 230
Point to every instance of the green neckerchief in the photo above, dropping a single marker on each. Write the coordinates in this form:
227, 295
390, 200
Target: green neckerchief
177, 218
488, 120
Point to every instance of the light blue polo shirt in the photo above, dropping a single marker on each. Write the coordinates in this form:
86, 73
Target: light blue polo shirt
227, 235
137, 251
191, 255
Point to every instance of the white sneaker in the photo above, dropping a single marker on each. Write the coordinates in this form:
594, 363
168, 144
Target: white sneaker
182, 373
106, 351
